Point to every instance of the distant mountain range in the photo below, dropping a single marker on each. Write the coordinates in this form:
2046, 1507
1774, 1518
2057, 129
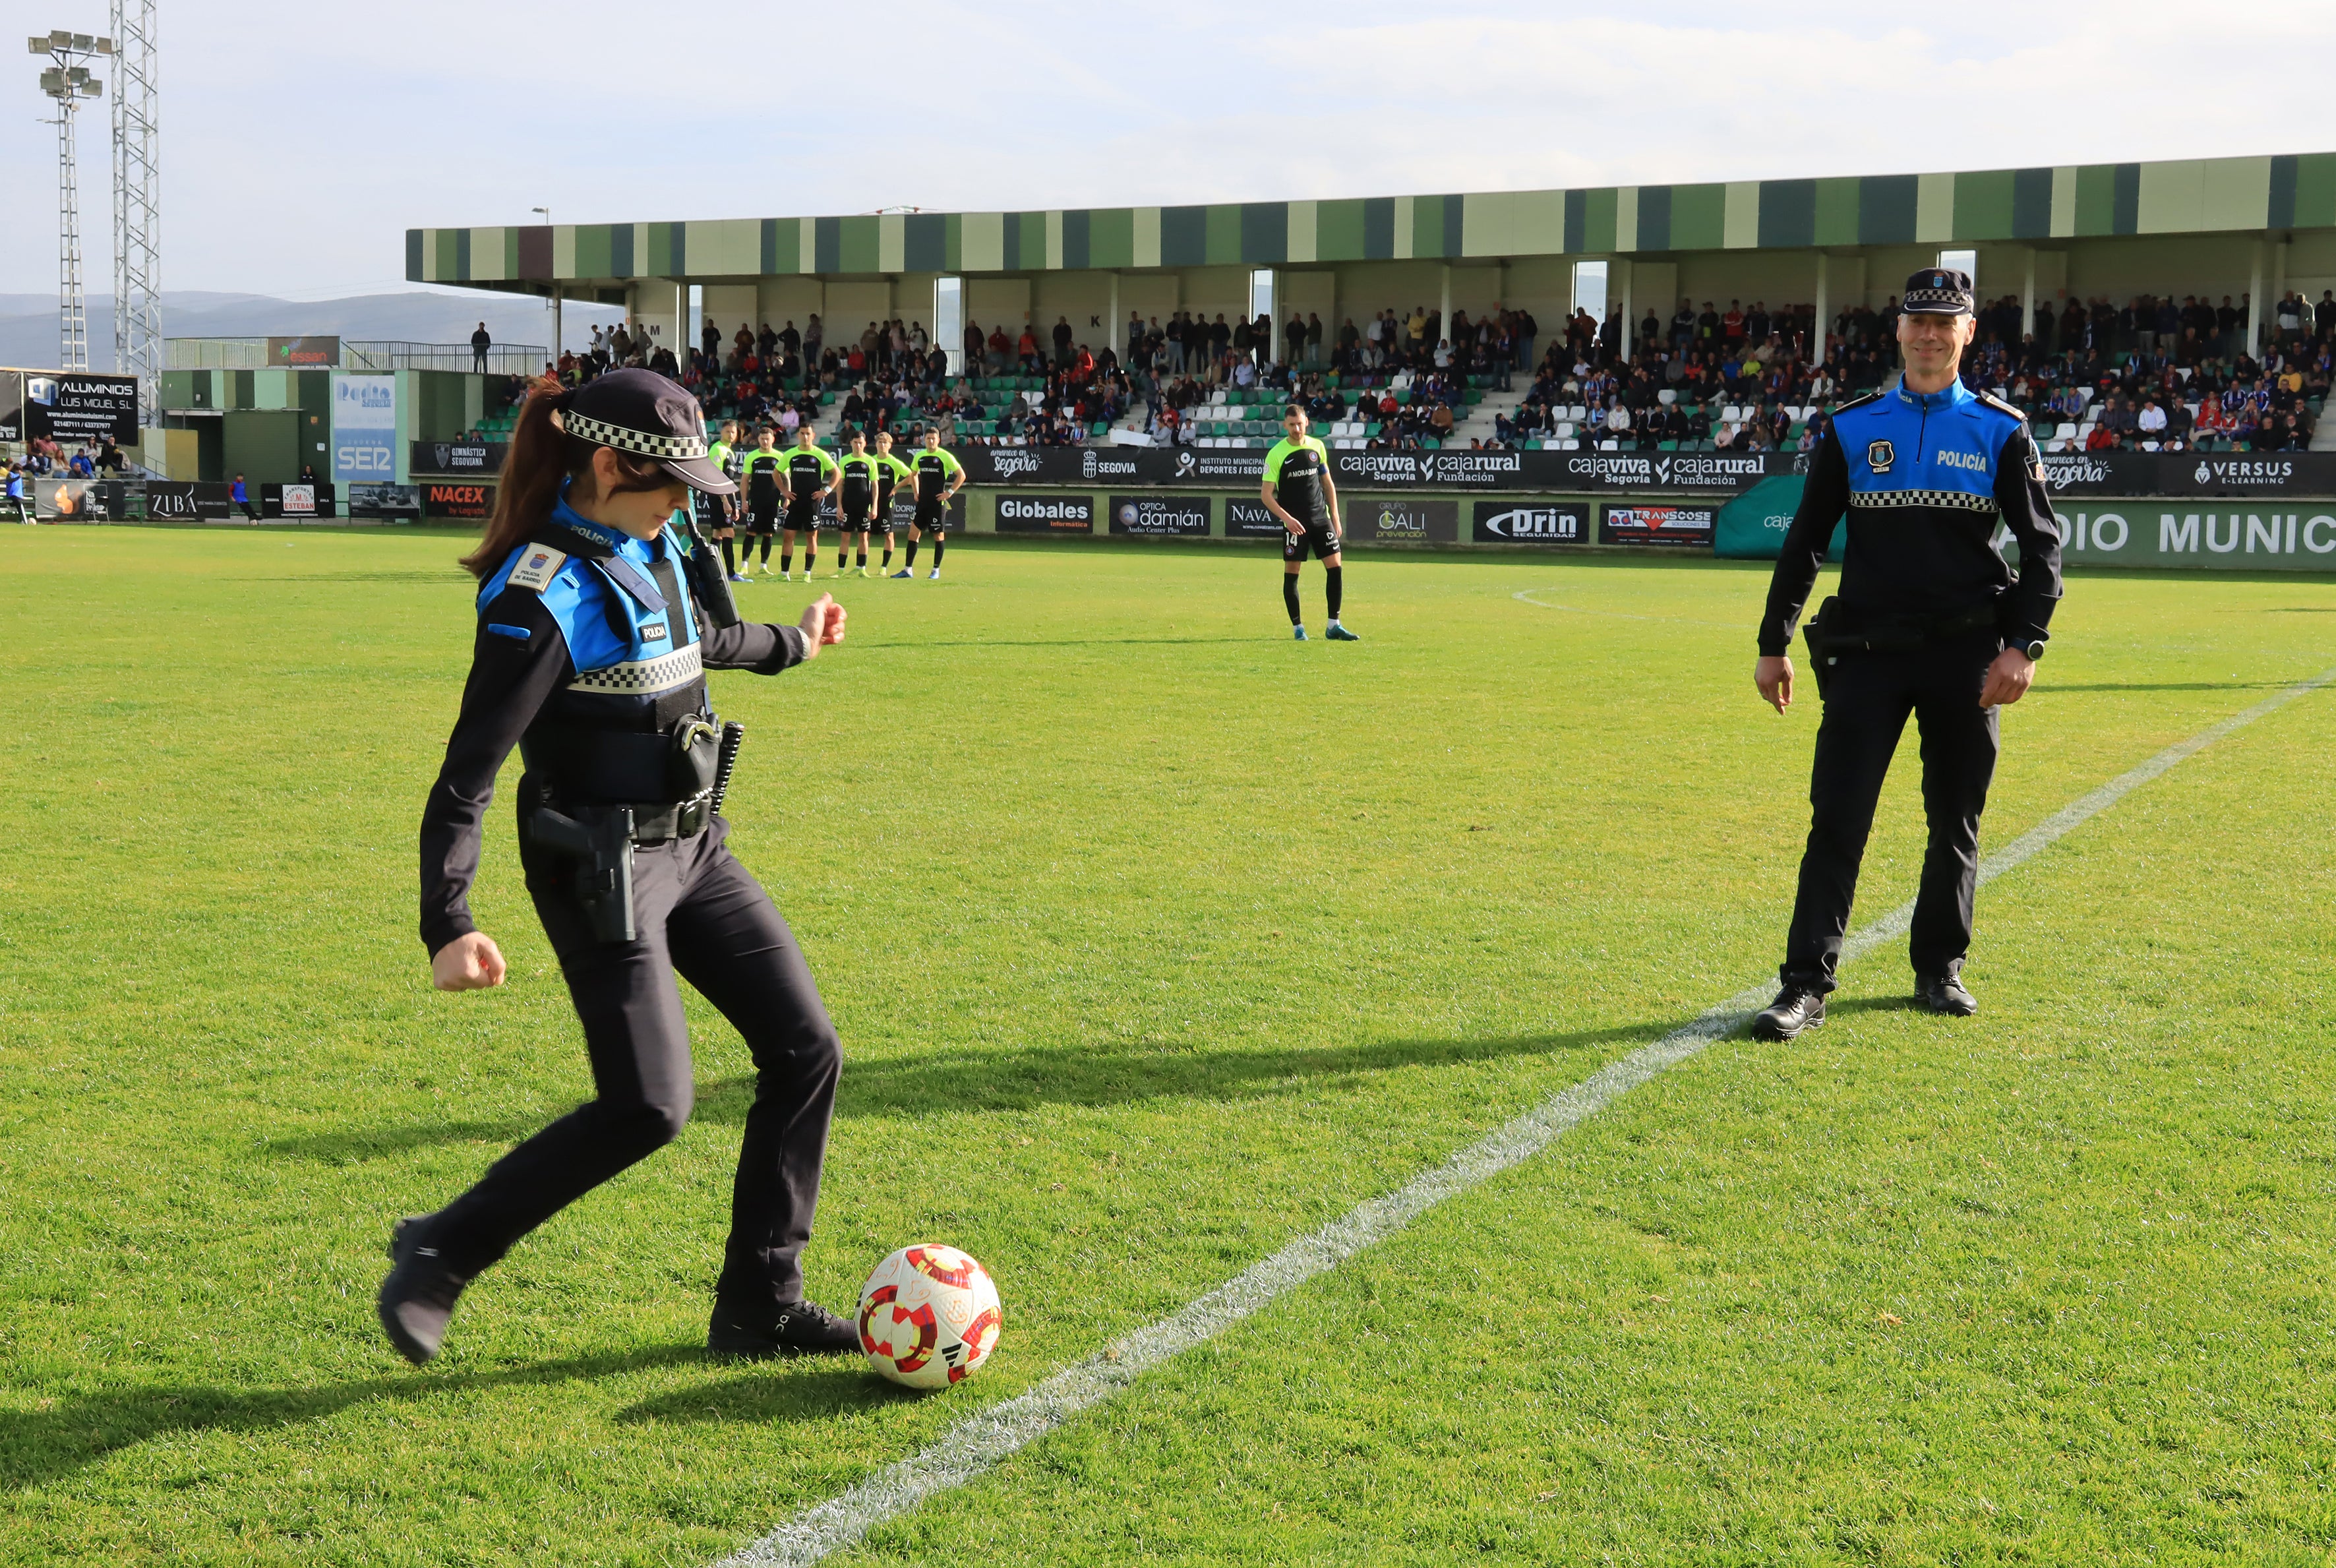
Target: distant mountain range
28, 322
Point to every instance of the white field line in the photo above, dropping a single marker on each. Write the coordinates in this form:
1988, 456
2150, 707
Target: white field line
1526, 596
982, 1440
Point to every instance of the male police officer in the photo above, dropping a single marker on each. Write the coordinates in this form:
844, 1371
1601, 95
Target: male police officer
1929, 621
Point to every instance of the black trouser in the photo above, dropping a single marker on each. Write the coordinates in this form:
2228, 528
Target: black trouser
1868, 698
700, 912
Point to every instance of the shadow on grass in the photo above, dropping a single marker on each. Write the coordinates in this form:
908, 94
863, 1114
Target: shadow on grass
39, 1445
765, 1396
1020, 1081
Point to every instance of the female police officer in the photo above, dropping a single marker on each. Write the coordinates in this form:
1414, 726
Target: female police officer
589, 656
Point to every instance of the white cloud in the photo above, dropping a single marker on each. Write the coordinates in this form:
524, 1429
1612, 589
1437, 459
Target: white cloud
303, 139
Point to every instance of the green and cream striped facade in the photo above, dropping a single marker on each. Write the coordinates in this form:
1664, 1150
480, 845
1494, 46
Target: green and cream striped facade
2074, 201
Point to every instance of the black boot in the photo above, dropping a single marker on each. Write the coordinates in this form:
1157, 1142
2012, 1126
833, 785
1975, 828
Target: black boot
418, 1298
796, 1328
1945, 994
1796, 1008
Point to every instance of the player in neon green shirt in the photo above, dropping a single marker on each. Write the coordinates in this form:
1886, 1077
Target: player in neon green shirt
1298, 492
855, 502
720, 512
763, 472
890, 471
939, 477
810, 474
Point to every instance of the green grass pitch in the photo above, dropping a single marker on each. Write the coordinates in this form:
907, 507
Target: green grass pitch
1156, 939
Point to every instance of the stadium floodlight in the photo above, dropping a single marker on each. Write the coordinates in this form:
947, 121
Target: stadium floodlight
137, 202
68, 83
39, 45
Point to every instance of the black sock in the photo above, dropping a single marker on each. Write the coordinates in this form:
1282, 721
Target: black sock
912, 555
888, 552
1289, 597
1331, 592
863, 556
940, 543
786, 559
811, 560
729, 558
766, 550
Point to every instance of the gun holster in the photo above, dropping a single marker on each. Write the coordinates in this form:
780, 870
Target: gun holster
598, 840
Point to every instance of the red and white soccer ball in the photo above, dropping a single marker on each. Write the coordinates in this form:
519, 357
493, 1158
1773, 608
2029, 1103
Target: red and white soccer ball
928, 1317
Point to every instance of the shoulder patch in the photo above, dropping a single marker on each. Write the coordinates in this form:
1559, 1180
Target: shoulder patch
538, 565
1993, 401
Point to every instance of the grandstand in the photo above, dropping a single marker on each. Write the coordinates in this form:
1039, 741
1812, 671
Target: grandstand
2190, 285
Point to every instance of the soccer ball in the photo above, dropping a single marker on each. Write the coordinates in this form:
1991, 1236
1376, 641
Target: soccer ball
928, 1317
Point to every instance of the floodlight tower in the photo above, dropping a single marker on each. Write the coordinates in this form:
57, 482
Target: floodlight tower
137, 205
68, 83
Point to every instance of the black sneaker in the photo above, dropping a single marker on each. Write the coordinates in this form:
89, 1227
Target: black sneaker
1945, 994
796, 1328
1796, 1008
418, 1298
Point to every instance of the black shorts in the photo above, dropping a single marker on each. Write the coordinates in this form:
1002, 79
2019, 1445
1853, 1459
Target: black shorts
762, 517
851, 518
1322, 539
933, 517
802, 515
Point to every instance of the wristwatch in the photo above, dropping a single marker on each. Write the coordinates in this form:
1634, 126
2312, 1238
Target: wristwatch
2034, 650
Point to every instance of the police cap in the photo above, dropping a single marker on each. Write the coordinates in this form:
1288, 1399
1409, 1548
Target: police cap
1938, 291
643, 413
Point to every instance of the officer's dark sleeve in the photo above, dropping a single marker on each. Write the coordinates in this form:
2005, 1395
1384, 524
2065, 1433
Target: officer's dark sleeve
511, 678
2028, 512
1823, 498
751, 645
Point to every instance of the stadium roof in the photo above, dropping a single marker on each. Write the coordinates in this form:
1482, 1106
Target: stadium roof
2072, 201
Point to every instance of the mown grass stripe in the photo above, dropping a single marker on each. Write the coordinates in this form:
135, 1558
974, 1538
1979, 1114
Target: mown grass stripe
983, 1441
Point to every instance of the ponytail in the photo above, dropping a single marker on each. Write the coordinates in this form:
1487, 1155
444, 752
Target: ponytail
542, 458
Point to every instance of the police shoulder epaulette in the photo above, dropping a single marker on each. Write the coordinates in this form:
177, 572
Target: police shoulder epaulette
1993, 401
1860, 401
538, 565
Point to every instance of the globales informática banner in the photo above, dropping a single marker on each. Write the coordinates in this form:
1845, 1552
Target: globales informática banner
1170, 516
1679, 527
364, 429
1531, 522
1046, 514
1382, 520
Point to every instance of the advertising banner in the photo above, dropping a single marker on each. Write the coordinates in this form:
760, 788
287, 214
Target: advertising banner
1676, 527
454, 460
1708, 473
1752, 526
1046, 514
364, 429
1174, 516
1696, 473
904, 512
1382, 520
299, 502
182, 501
66, 501
1246, 519
383, 501
71, 408
473, 501
2129, 473
303, 352
1531, 522
2247, 537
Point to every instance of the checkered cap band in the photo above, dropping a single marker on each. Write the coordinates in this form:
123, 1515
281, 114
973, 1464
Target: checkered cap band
677, 447
1940, 299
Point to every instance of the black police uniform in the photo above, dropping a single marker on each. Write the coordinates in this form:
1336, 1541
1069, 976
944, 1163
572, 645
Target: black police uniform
1925, 604
590, 656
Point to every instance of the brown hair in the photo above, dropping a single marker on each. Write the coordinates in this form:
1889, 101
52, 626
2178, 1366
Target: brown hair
542, 457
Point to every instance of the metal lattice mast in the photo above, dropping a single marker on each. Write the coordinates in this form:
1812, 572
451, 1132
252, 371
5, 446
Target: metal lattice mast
72, 309
68, 84
137, 205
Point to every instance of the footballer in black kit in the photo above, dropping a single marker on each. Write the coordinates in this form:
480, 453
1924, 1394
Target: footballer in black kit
1302, 497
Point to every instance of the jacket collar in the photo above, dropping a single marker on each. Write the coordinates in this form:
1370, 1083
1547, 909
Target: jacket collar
1954, 397
600, 539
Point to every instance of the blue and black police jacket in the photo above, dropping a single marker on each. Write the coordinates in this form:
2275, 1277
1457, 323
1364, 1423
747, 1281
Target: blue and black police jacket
582, 629
1925, 479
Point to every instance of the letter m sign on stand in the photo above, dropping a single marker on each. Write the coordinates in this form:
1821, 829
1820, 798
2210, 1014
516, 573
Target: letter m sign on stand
364, 429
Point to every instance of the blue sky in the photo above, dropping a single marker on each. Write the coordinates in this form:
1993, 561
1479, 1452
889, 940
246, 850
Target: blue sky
301, 140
